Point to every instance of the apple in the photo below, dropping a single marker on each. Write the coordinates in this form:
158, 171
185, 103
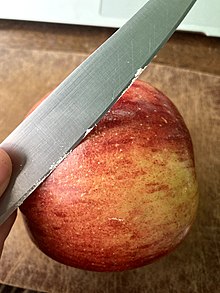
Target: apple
126, 195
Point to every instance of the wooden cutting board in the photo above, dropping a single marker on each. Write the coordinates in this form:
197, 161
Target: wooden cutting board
194, 265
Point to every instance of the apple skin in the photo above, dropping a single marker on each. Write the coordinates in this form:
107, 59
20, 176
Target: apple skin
126, 195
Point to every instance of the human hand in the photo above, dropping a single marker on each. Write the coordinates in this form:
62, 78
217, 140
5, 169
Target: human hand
5, 173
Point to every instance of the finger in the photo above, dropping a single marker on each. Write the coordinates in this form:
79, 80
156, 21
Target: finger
5, 174
5, 170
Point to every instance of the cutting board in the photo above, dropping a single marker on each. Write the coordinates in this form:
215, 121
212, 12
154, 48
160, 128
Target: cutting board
194, 265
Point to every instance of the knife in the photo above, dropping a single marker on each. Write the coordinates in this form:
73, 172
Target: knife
71, 111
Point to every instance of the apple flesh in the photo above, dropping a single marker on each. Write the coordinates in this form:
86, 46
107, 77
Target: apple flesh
126, 195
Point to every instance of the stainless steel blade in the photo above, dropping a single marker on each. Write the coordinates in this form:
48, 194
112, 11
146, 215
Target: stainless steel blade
46, 137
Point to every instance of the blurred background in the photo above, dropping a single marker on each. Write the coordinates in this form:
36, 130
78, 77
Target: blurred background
204, 16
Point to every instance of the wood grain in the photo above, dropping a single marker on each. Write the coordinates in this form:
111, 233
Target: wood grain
185, 50
25, 76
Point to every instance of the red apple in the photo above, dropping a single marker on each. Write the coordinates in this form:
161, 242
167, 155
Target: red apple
126, 195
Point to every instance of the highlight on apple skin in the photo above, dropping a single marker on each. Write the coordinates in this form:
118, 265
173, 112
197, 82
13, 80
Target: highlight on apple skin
126, 196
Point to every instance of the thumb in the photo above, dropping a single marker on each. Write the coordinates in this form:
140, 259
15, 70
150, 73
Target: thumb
5, 170
5, 173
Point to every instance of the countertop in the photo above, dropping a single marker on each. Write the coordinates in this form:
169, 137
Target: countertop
34, 58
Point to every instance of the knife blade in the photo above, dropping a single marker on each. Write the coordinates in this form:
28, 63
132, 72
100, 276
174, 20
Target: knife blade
70, 112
